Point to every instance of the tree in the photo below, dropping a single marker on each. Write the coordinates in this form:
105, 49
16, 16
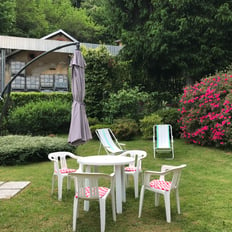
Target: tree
98, 82
174, 38
96, 10
60, 14
30, 19
7, 16
37, 18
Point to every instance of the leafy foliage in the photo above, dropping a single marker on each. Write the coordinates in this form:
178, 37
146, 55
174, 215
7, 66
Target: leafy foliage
96, 10
98, 79
128, 103
7, 16
32, 18
206, 111
17, 149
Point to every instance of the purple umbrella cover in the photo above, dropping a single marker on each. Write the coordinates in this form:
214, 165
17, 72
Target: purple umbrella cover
79, 131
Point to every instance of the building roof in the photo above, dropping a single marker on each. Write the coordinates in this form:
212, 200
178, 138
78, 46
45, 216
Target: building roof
60, 31
46, 44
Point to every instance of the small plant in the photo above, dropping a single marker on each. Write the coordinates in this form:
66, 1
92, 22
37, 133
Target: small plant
147, 123
206, 111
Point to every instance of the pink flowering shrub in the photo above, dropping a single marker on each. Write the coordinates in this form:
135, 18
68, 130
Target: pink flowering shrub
206, 111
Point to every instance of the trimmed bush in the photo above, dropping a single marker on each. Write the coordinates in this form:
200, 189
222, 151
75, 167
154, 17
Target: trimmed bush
206, 111
40, 118
17, 149
170, 116
147, 123
125, 129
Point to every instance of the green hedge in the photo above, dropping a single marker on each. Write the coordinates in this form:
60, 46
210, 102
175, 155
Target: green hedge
23, 98
40, 118
17, 149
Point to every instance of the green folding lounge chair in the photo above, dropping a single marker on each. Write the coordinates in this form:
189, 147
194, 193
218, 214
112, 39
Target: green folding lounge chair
163, 139
109, 142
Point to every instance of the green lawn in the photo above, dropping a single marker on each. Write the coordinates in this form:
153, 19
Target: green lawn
205, 196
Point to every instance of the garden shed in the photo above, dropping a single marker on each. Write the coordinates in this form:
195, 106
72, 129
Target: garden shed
50, 72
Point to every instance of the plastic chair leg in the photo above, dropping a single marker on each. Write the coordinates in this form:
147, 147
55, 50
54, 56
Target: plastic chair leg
60, 183
53, 180
141, 201
75, 213
136, 186
167, 207
157, 198
102, 204
68, 182
177, 201
113, 206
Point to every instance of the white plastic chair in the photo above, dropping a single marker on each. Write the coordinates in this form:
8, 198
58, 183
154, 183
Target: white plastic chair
61, 169
162, 186
87, 188
109, 141
135, 168
163, 139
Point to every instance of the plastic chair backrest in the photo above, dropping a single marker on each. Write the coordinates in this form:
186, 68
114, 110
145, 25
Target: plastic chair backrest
138, 155
59, 159
176, 171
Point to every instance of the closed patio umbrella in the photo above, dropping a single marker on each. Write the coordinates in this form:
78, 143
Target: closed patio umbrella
79, 131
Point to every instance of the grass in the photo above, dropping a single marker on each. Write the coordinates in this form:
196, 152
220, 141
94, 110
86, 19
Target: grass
205, 196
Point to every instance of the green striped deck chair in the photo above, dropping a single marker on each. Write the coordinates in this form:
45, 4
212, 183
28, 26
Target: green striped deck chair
109, 142
163, 139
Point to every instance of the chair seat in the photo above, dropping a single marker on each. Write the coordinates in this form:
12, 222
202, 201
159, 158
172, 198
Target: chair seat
130, 169
67, 170
160, 184
101, 191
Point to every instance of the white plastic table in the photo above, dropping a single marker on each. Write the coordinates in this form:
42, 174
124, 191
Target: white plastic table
110, 160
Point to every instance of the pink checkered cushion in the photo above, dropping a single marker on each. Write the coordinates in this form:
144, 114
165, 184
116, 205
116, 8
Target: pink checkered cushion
67, 170
160, 184
101, 191
130, 169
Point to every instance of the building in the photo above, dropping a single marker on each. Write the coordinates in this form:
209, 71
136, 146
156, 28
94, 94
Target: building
48, 73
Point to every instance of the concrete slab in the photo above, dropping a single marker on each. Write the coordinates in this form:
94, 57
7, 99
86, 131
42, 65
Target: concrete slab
14, 185
7, 193
11, 188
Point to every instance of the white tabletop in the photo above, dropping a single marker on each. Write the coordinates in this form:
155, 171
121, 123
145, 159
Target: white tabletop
105, 160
